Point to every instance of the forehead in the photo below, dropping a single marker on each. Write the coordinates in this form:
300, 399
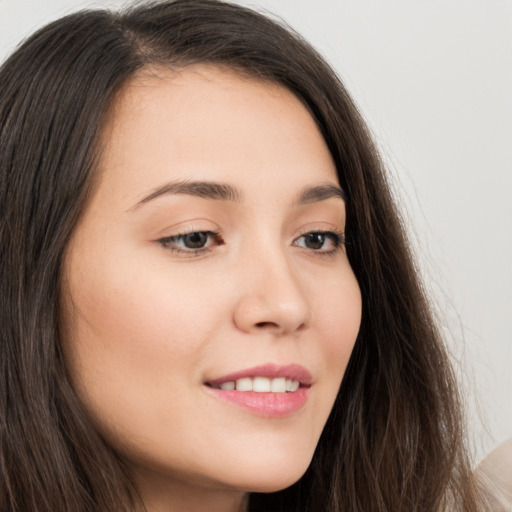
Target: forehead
206, 123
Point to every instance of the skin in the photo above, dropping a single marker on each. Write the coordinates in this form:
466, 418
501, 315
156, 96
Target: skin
148, 323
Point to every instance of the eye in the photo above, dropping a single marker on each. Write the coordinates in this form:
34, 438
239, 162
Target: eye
191, 244
194, 240
325, 242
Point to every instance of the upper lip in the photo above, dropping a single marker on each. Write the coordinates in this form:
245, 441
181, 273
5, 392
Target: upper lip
269, 370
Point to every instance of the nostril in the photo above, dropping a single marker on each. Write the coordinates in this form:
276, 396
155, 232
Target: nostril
266, 325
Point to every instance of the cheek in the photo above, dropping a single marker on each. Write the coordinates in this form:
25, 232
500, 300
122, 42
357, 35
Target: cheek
137, 306
337, 316
133, 334
339, 307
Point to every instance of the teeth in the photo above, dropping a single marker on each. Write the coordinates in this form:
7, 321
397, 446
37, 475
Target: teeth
244, 384
261, 385
278, 385
295, 385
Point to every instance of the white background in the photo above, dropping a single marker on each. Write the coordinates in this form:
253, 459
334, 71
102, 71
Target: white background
434, 80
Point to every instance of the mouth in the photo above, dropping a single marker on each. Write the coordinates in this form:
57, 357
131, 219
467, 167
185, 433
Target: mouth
259, 385
269, 390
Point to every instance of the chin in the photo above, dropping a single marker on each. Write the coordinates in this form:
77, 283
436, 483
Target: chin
280, 483
271, 476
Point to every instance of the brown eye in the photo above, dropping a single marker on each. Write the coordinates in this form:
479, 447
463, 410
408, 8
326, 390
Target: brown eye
314, 240
191, 244
323, 242
195, 240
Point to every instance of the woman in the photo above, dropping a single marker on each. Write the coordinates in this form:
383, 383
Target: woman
208, 300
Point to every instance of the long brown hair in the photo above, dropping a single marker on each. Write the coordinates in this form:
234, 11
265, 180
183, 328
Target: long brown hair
394, 440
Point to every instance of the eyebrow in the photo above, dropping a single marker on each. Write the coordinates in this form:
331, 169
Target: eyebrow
204, 189
226, 192
320, 193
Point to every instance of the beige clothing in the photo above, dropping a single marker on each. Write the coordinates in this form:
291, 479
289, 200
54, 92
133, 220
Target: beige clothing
495, 475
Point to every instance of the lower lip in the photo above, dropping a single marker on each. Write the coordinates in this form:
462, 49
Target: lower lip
268, 405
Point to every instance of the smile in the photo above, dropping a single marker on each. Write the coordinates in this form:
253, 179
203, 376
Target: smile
270, 391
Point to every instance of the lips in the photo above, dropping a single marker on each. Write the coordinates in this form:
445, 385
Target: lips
272, 391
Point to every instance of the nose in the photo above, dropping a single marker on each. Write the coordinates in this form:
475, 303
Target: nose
270, 297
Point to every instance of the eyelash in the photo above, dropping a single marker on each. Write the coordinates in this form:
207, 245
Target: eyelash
169, 243
336, 237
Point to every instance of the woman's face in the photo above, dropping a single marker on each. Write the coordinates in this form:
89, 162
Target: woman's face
209, 254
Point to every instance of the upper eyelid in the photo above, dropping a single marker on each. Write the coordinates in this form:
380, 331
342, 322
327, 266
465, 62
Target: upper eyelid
336, 231
301, 233
187, 229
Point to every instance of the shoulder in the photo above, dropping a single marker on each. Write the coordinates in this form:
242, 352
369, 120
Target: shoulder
494, 475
